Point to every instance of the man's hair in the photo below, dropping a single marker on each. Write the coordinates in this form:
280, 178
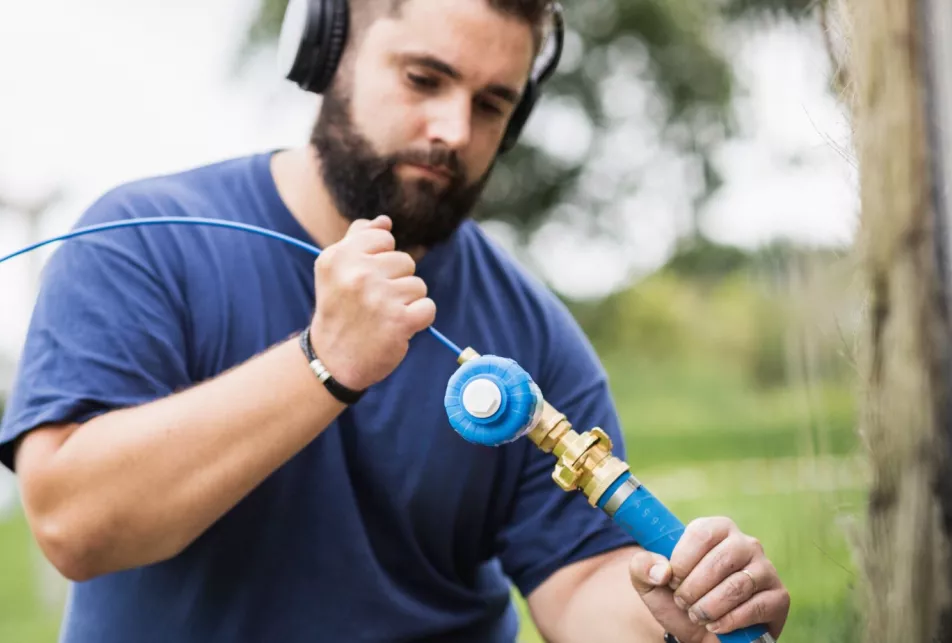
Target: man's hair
535, 13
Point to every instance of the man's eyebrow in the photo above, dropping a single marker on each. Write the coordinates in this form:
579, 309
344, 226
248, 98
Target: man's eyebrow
503, 92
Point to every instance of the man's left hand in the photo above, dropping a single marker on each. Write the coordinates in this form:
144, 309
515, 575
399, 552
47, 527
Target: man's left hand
718, 580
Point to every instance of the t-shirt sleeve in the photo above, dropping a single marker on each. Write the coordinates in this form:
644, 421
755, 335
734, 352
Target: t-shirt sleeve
106, 331
549, 528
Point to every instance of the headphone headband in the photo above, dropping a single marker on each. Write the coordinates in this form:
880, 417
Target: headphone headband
314, 34
545, 65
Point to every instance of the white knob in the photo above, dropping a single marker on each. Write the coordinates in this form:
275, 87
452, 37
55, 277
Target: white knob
481, 398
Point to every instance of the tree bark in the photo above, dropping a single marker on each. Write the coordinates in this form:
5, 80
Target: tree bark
906, 345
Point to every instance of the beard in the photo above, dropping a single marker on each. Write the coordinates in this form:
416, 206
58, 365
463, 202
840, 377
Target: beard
364, 184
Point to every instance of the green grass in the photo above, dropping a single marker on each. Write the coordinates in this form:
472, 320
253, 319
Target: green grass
678, 413
23, 617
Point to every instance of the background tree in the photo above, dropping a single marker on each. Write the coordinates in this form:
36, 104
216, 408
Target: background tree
898, 74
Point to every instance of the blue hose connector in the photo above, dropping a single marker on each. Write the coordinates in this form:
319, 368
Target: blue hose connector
491, 400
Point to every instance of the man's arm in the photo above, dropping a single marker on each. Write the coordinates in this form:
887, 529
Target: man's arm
593, 600
718, 580
136, 486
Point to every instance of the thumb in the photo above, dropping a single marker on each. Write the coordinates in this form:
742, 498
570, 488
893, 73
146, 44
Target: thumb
649, 571
650, 575
382, 222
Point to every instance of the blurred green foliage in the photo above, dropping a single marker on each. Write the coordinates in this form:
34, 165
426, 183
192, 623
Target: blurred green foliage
737, 309
786, 8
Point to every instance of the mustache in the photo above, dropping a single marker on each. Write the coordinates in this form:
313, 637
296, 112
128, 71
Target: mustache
438, 158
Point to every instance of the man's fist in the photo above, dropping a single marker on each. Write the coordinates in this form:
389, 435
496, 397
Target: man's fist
369, 304
718, 580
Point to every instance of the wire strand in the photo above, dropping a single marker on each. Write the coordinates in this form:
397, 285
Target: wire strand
217, 223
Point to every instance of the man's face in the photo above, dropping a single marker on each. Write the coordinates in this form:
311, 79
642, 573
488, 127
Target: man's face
412, 128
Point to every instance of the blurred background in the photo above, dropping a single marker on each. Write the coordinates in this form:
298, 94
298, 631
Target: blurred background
687, 186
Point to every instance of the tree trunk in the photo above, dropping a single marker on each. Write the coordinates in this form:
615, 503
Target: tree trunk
906, 345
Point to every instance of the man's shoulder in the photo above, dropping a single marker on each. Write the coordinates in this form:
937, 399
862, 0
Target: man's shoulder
502, 267
505, 276
152, 194
537, 321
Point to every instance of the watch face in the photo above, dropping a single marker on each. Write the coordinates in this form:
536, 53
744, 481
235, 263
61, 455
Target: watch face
292, 31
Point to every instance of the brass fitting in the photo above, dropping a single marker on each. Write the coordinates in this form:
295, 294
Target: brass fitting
551, 428
584, 461
467, 354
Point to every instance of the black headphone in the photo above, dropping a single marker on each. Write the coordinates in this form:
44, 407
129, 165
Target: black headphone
314, 32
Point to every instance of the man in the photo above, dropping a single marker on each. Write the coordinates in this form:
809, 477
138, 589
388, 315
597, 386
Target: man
181, 463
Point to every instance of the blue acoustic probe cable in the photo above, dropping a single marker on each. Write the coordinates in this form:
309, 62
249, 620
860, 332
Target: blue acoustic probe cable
218, 223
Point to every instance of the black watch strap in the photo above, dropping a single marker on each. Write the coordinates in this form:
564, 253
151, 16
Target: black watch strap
338, 390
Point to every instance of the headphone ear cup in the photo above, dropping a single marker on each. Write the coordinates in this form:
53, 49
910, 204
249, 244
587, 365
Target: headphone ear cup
295, 42
331, 48
520, 116
313, 36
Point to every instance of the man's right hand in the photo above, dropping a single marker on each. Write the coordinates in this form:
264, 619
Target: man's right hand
369, 304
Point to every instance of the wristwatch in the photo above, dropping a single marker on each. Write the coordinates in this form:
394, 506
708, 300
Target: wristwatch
338, 390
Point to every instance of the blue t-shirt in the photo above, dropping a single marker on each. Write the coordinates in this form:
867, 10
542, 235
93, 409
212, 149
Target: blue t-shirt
387, 527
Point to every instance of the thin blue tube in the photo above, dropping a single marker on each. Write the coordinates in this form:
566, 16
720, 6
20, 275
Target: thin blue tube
217, 223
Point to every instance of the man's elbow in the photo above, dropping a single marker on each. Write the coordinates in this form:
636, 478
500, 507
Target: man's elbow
71, 551
82, 549
75, 528
84, 527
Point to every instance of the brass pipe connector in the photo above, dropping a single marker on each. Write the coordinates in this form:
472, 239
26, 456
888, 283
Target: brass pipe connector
584, 461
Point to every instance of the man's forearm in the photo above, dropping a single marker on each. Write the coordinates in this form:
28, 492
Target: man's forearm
137, 485
605, 607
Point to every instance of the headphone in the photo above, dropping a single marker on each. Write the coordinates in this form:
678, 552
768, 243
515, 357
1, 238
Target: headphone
314, 33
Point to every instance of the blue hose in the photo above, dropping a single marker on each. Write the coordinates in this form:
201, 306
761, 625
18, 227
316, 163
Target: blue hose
643, 517
218, 223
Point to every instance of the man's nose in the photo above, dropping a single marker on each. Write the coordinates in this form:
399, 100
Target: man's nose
451, 123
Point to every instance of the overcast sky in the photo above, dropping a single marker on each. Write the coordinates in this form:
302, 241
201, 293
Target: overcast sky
103, 91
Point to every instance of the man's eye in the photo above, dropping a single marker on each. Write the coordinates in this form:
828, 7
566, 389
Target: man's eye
423, 82
489, 107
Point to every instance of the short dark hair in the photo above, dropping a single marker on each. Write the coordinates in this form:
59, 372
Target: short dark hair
533, 12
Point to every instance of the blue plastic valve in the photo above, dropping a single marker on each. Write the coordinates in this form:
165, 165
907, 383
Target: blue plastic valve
491, 400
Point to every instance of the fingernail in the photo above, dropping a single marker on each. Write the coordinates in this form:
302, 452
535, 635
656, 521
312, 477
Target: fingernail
675, 583
680, 603
656, 573
713, 628
693, 617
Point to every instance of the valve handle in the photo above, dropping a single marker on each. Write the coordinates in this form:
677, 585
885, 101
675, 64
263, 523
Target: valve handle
491, 400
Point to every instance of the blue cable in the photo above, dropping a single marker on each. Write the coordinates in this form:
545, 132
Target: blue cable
219, 223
